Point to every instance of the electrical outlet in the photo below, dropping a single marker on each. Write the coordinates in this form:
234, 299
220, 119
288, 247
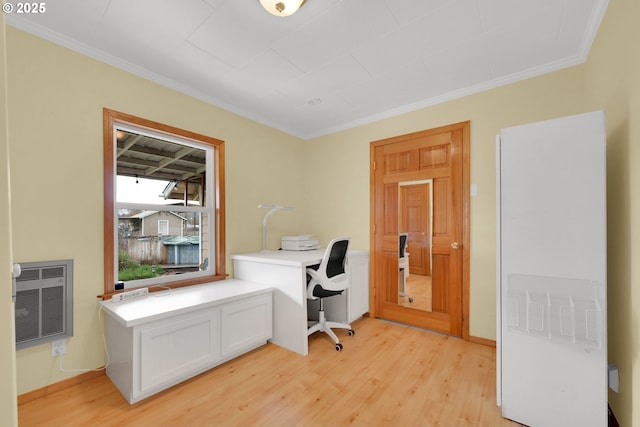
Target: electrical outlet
125, 296
58, 347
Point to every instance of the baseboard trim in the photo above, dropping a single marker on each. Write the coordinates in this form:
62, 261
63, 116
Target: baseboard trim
61, 385
483, 341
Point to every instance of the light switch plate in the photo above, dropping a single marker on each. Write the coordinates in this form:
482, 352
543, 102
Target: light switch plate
473, 190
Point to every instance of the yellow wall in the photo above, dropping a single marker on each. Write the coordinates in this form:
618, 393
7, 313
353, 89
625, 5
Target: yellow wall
613, 83
56, 98
8, 393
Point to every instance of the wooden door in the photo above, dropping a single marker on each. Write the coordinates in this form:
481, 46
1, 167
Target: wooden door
440, 155
415, 220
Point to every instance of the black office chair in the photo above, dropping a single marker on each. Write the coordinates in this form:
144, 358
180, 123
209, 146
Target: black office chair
328, 279
403, 265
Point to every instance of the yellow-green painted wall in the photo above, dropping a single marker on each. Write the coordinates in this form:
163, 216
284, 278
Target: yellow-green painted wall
56, 100
8, 393
613, 83
55, 115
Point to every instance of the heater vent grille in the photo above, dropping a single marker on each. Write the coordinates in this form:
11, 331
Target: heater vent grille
44, 302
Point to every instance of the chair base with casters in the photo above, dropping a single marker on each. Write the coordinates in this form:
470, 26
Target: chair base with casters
404, 294
403, 285
324, 325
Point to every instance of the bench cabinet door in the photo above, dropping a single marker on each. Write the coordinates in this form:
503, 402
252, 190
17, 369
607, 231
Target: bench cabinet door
246, 324
176, 348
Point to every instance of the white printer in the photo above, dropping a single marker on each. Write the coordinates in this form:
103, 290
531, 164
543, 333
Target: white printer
303, 242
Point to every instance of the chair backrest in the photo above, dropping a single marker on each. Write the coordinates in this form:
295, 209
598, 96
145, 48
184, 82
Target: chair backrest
402, 240
332, 272
335, 257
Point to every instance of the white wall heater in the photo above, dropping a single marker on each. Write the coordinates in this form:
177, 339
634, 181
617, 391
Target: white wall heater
44, 302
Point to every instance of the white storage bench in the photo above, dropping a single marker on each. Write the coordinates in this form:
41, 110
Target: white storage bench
159, 340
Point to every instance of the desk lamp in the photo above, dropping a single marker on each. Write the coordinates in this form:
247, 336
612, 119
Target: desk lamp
272, 208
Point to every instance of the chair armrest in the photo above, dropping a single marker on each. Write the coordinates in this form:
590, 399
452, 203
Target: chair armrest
314, 275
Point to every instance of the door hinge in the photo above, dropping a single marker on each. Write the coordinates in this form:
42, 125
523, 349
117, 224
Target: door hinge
374, 165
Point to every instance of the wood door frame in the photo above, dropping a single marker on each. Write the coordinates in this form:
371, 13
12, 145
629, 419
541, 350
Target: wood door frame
466, 219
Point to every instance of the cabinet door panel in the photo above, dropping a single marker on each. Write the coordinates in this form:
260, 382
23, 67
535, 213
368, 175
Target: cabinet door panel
174, 350
246, 324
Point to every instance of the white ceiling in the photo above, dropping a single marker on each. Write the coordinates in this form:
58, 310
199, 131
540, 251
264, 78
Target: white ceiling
333, 65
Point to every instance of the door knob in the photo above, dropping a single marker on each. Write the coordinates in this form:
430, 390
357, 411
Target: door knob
455, 245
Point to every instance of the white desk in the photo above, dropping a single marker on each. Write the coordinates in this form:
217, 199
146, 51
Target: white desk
285, 271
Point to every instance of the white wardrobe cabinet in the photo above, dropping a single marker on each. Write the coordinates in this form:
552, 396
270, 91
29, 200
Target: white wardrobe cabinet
552, 264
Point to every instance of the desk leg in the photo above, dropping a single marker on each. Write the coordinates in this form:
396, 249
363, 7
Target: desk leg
289, 300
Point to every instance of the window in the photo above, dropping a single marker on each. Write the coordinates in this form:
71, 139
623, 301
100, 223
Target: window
163, 227
163, 204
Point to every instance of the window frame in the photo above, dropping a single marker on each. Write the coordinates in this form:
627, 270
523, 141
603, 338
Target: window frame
165, 225
112, 118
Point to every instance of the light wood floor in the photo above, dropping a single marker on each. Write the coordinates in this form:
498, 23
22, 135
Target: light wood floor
387, 375
419, 289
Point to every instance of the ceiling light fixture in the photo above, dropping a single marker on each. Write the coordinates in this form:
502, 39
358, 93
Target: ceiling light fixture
282, 7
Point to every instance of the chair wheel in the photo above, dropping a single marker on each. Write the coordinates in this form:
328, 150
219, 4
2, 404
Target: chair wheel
351, 332
338, 347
